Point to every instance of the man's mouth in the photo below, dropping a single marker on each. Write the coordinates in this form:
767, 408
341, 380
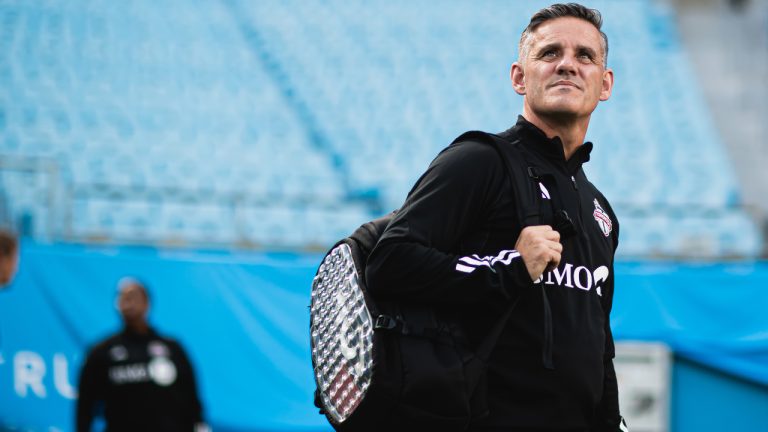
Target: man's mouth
565, 83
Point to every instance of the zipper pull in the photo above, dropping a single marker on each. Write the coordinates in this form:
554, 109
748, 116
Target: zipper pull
575, 186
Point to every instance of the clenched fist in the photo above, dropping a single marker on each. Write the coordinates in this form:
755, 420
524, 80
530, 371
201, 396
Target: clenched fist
540, 248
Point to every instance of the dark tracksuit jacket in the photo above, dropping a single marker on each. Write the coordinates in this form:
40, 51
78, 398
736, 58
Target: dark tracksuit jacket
452, 244
141, 382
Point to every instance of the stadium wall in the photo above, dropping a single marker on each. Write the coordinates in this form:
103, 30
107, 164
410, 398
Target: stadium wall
243, 319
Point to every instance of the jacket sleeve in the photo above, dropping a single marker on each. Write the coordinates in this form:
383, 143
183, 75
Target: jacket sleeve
417, 257
608, 416
91, 390
188, 385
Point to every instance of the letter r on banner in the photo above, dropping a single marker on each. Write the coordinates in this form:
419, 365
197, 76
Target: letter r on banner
28, 373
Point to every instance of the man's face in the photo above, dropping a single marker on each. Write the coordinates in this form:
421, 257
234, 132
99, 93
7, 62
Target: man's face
562, 75
8, 266
132, 304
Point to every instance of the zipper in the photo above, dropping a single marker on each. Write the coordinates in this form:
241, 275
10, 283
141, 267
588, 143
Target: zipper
578, 200
546, 351
579, 218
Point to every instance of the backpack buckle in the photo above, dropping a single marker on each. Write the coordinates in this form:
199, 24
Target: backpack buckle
532, 173
385, 322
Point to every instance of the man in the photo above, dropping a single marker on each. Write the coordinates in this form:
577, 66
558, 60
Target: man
9, 257
9, 264
139, 379
451, 244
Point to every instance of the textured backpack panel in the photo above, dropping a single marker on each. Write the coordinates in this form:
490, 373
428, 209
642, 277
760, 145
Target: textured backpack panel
342, 334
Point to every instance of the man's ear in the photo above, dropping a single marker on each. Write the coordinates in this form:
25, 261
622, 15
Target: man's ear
607, 88
517, 75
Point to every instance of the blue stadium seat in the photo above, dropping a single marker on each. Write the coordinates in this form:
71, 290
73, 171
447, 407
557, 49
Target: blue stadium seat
285, 109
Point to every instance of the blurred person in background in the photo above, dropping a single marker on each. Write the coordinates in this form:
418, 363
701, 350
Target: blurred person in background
457, 243
9, 264
9, 257
136, 379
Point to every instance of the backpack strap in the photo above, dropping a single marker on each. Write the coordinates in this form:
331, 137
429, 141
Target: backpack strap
525, 180
368, 234
523, 176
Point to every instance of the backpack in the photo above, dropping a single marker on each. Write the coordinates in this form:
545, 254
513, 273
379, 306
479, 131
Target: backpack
393, 366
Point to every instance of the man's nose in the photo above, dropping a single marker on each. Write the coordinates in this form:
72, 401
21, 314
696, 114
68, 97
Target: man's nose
566, 65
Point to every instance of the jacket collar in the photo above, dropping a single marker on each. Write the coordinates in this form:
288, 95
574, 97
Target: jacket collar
534, 139
130, 334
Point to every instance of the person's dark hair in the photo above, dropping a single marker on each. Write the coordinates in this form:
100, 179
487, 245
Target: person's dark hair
9, 244
561, 10
126, 281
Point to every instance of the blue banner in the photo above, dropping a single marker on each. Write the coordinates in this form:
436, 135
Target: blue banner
243, 320
712, 313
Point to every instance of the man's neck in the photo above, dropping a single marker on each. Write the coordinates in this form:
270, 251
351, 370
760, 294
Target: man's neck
140, 328
571, 132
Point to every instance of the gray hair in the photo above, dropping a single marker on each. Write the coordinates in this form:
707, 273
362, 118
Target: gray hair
561, 10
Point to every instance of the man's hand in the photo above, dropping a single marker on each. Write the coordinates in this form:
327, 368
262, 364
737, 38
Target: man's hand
540, 248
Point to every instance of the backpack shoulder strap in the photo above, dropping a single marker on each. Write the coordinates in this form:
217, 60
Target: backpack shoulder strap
522, 175
524, 180
368, 234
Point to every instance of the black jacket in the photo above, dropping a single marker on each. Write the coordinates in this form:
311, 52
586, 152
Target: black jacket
141, 382
452, 244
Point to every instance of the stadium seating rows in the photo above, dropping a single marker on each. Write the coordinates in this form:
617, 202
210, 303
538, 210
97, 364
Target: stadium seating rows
286, 123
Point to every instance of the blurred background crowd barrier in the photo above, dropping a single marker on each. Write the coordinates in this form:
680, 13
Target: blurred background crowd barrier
215, 148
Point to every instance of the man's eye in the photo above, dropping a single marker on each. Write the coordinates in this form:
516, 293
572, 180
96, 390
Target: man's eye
550, 53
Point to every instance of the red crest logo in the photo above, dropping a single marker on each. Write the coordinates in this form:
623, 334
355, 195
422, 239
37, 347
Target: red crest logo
603, 221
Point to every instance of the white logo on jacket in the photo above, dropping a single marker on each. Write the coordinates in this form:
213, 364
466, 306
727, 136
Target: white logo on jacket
162, 371
544, 191
158, 349
468, 264
577, 277
118, 353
